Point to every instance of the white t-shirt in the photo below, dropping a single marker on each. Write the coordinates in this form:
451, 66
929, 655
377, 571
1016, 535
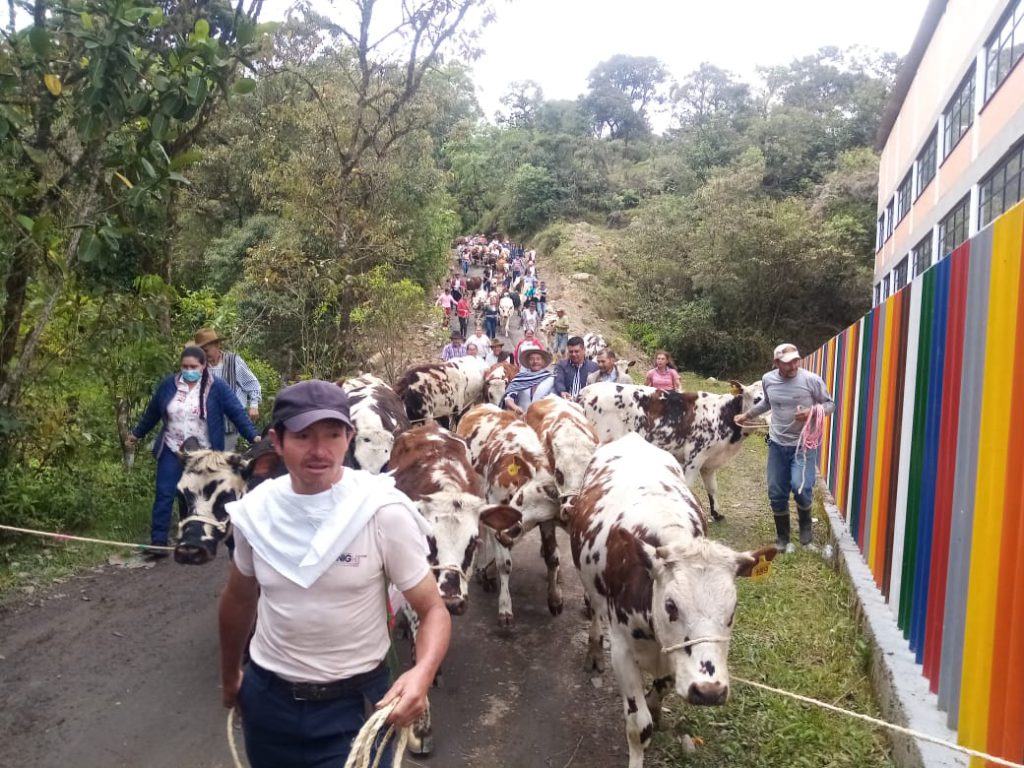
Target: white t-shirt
338, 627
482, 345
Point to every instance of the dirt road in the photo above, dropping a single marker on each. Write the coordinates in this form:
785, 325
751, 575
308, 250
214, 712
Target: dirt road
119, 668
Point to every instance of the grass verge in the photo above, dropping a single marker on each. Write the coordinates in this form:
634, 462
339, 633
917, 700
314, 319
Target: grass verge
795, 631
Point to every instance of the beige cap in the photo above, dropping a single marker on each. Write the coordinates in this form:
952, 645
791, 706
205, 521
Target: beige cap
787, 353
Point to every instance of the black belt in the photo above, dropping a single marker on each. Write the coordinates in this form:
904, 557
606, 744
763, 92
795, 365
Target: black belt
329, 691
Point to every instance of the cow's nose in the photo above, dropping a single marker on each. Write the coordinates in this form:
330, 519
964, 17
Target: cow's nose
450, 585
456, 605
188, 554
708, 694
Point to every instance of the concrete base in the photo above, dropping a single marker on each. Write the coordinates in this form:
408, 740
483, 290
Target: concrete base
902, 690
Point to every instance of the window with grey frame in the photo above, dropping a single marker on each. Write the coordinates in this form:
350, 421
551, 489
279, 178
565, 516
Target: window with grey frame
925, 165
954, 227
1001, 188
899, 275
922, 255
885, 287
959, 115
878, 293
880, 238
903, 197
889, 219
1004, 49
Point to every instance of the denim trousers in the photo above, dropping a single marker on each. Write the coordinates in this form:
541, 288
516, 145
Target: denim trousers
168, 473
790, 471
281, 732
490, 326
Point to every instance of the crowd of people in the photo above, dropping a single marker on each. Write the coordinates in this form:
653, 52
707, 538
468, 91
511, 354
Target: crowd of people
510, 275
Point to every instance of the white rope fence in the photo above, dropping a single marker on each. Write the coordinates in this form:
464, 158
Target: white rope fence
882, 724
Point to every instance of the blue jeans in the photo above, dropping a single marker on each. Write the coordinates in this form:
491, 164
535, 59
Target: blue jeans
541, 308
561, 342
490, 326
790, 472
168, 473
281, 732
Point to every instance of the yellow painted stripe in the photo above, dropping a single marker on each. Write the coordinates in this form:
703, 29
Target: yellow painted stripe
881, 437
991, 486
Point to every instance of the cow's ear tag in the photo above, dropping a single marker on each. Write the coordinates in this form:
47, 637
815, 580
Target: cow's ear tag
513, 469
762, 569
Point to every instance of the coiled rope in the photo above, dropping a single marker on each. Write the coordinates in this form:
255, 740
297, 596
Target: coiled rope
366, 751
366, 741
811, 438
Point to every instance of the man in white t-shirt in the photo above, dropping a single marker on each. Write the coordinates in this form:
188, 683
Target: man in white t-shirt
480, 339
315, 551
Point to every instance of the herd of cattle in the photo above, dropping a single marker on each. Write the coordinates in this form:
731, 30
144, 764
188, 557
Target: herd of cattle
611, 468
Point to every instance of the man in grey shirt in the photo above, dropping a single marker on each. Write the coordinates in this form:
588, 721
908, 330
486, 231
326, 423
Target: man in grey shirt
789, 393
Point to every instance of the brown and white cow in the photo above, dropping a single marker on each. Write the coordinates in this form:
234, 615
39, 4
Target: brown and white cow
695, 427
378, 416
442, 391
568, 439
209, 480
496, 381
433, 467
666, 592
509, 456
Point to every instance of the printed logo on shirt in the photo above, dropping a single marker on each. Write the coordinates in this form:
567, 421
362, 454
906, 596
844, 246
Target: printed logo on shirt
349, 559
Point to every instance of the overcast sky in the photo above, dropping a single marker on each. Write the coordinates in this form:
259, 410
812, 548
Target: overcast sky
558, 42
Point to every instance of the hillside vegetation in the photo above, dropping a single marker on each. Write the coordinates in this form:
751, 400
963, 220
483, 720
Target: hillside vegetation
168, 168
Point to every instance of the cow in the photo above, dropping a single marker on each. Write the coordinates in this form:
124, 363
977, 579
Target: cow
547, 328
505, 311
568, 440
509, 456
432, 466
441, 391
592, 344
695, 427
473, 284
496, 380
666, 592
209, 480
378, 416
480, 299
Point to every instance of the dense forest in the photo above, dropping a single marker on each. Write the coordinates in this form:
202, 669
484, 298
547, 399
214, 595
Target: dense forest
297, 185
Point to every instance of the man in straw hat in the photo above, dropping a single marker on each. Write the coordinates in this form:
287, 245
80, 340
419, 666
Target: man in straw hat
496, 351
455, 348
789, 393
315, 551
534, 380
235, 373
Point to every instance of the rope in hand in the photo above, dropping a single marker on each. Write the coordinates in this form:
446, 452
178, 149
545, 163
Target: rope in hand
811, 438
364, 744
882, 724
366, 741
69, 537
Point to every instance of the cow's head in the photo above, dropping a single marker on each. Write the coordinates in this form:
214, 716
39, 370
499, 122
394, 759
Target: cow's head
370, 448
752, 394
455, 518
209, 481
537, 499
496, 380
693, 603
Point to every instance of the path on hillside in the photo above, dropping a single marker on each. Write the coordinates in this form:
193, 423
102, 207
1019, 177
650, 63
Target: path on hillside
119, 667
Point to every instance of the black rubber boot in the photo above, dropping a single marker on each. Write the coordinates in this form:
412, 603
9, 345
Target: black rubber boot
782, 531
805, 526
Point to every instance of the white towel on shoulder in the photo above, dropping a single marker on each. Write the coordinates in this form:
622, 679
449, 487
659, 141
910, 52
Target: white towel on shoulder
301, 535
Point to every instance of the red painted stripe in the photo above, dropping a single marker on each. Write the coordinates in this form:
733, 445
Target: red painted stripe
946, 468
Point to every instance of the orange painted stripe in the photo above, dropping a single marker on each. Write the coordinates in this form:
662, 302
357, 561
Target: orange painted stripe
1006, 700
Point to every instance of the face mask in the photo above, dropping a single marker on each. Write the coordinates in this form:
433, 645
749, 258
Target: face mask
191, 376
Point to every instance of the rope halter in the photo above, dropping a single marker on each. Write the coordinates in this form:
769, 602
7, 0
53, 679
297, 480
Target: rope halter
220, 525
695, 641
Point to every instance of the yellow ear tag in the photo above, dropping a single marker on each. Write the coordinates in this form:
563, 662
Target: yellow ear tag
513, 469
762, 569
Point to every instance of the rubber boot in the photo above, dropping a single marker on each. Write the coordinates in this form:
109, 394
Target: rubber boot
782, 531
805, 526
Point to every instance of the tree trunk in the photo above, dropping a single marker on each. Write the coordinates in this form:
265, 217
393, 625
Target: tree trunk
123, 411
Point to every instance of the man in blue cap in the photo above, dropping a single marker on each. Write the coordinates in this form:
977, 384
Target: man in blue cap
315, 550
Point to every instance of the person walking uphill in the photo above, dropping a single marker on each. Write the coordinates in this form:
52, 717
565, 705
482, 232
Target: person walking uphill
789, 393
236, 374
315, 551
191, 403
